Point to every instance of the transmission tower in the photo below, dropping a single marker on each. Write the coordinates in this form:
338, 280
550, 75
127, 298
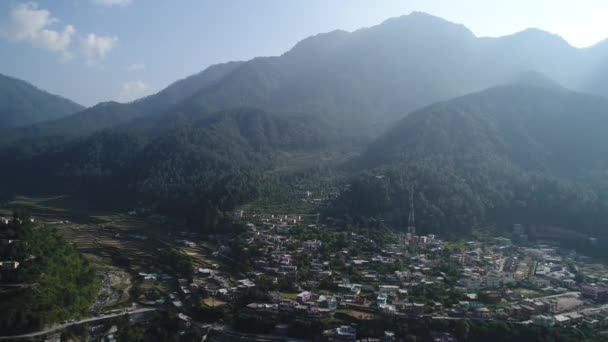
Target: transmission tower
411, 221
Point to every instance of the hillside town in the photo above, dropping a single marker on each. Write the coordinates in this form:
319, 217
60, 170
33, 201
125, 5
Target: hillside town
285, 272
294, 270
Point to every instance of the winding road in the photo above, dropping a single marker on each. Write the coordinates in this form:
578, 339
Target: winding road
57, 327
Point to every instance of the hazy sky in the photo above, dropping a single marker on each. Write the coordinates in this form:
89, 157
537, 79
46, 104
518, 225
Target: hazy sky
99, 50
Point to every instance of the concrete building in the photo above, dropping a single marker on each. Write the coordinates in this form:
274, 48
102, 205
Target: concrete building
303, 297
543, 321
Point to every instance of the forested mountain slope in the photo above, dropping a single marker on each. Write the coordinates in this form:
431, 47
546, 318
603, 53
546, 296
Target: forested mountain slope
510, 154
23, 104
196, 168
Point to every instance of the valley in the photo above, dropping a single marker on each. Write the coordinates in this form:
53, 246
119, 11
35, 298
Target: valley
408, 180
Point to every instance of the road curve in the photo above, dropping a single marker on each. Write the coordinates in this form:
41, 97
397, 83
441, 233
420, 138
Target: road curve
67, 325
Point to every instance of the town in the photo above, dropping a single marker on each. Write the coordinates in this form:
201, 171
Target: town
316, 272
289, 275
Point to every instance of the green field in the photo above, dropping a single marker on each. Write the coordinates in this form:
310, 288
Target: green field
288, 295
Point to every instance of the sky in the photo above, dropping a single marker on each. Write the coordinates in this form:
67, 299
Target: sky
100, 50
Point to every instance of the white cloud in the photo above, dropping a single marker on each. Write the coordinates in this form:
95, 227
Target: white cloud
110, 3
133, 90
136, 67
95, 48
29, 23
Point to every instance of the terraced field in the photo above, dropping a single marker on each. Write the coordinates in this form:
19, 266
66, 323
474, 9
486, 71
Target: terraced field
119, 245
93, 231
118, 240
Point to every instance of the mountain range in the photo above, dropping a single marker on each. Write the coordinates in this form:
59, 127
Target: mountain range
366, 79
484, 130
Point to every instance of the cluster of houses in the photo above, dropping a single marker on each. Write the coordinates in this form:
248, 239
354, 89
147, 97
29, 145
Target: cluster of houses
487, 268
373, 288
316, 279
539, 268
590, 318
306, 304
269, 219
7, 244
499, 269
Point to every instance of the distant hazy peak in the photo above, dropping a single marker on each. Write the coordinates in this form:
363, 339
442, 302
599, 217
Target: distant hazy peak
417, 15
600, 48
425, 21
535, 79
410, 23
535, 35
329, 40
25, 84
107, 103
22, 103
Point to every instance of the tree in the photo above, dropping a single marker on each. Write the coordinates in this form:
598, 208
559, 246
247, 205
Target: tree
411, 338
462, 329
131, 332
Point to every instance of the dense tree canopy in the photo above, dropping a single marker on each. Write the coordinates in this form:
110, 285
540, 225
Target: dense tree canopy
197, 167
56, 282
503, 156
